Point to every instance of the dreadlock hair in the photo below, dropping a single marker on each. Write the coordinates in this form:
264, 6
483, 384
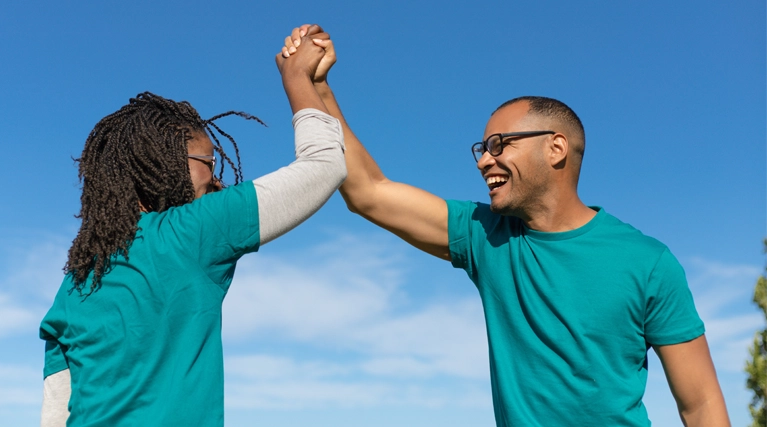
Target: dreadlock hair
135, 158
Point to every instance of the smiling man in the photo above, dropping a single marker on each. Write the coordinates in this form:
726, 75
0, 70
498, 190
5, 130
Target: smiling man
573, 297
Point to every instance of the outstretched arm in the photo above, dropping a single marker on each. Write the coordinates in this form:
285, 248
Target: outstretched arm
692, 379
417, 216
290, 195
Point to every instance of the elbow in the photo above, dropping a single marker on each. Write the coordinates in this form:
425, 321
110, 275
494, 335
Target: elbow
337, 168
350, 202
341, 174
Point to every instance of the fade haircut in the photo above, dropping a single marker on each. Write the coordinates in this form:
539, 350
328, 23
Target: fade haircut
133, 158
557, 110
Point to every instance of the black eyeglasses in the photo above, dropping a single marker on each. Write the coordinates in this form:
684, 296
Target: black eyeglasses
495, 142
211, 163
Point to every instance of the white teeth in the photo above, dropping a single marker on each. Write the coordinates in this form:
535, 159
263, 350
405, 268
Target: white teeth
495, 180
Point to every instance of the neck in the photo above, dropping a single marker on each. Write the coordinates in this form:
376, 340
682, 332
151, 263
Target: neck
558, 213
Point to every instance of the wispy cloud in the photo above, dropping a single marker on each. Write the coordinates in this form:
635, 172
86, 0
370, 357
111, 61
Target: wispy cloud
17, 317
341, 324
723, 294
16, 380
31, 276
367, 341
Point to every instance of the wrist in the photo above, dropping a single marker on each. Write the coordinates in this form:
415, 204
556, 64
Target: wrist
296, 75
322, 87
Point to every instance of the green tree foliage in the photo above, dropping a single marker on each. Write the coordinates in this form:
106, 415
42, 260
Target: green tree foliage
757, 366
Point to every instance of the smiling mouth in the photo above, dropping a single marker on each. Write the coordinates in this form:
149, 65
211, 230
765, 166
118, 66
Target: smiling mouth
494, 182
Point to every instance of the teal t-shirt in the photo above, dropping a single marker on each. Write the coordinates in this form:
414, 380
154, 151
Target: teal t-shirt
145, 349
570, 316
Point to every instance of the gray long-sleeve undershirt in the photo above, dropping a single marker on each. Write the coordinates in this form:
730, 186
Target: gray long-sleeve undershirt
286, 198
290, 195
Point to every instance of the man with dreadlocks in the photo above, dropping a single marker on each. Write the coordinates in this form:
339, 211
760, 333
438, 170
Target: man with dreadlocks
135, 329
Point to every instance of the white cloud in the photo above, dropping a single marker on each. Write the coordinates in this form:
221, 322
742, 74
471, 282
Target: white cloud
338, 325
723, 295
716, 286
35, 270
292, 391
20, 385
29, 279
350, 298
268, 367
17, 317
30, 274
364, 339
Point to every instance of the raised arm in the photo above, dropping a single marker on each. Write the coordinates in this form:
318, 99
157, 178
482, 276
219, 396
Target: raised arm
417, 216
290, 195
692, 379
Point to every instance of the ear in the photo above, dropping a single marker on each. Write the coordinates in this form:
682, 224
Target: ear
558, 150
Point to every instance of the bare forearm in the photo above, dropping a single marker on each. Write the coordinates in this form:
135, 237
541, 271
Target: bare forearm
418, 217
711, 414
693, 382
363, 171
301, 93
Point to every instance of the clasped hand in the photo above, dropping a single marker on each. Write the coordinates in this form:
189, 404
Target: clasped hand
308, 51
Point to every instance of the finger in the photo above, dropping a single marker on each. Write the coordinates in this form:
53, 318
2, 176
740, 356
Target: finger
279, 59
290, 44
303, 29
295, 37
313, 29
285, 52
327, 45
321, 36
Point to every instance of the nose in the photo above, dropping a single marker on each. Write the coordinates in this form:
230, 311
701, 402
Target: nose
485, 161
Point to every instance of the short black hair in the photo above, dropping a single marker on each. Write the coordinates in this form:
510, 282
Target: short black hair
558, 110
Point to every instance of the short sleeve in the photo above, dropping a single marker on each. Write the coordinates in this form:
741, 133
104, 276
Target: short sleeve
52, 328
459, 233
215, 229
670, 315
55, 360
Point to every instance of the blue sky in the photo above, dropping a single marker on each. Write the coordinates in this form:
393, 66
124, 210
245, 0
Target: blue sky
339, 323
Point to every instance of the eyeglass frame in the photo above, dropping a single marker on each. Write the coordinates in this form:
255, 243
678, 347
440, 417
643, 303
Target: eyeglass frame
201, 158
483, 145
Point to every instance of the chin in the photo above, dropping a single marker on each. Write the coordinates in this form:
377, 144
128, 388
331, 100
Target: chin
500, 209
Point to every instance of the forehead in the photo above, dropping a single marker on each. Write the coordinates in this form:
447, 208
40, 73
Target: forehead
200, 143
511, 118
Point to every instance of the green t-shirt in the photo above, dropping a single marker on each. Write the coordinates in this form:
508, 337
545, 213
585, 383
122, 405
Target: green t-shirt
145, 349
570, 316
